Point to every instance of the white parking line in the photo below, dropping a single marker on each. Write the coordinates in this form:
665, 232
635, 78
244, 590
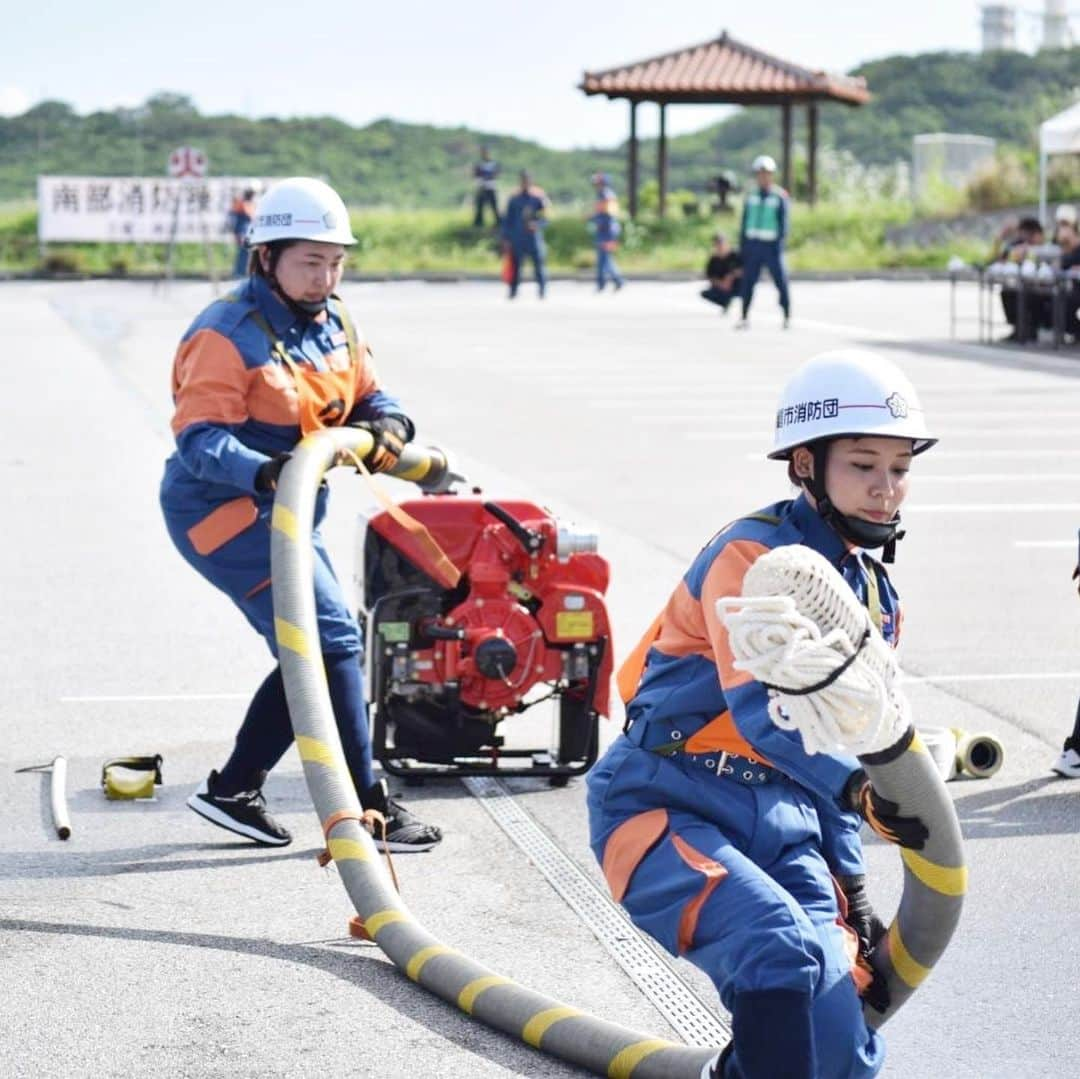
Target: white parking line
1025, 676
996, 477
158, 697
993, 507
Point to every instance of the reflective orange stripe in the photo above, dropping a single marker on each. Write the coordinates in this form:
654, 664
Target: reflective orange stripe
631, 670
713, 872
627, 845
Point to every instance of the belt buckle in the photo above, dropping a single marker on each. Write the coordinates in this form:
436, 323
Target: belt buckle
722, 766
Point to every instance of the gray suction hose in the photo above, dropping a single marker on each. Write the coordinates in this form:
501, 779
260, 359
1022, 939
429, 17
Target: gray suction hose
565, 1032
935, 878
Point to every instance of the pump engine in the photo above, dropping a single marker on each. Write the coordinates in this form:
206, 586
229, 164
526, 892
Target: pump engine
449, 662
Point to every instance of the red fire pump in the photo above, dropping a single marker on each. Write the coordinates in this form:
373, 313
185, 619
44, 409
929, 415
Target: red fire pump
448, 662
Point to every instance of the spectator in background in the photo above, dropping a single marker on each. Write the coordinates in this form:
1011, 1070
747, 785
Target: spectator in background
606, 229
1064, 215
761, 238
523, 227
723, 270
1067, 238
724, 185
241, 215
485, 172
1012, 246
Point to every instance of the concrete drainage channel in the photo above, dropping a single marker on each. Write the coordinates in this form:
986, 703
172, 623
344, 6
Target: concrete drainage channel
694, 1020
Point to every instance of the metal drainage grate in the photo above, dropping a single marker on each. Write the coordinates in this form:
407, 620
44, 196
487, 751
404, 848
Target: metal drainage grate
693, 1019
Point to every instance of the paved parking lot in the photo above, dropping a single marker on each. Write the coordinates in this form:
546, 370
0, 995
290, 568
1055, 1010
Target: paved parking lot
151, 943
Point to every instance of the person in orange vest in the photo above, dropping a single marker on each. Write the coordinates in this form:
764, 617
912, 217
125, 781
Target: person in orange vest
241, 215
273, 361
721, 836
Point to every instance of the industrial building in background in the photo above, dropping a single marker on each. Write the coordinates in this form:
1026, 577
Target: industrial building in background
1048, 28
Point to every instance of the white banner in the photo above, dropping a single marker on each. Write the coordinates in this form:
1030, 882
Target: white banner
125, 209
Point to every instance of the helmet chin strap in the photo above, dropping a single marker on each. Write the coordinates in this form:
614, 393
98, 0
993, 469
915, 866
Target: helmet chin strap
868, 534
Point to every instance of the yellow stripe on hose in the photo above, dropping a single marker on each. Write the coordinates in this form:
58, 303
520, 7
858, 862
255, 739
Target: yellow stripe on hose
538, 1025
624, 1062
467, 997
909, 970
417, 472
383, 918
292, 637
948, 880
315, 752
284, 520
917, 745
416, 964
346, 850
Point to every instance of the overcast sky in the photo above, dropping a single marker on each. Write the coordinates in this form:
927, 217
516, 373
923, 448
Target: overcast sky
496, 66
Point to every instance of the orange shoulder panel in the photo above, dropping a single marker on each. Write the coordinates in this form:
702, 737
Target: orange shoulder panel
683, 630
725, 578
209, 381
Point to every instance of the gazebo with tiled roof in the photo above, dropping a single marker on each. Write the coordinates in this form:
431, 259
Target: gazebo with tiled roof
723, 72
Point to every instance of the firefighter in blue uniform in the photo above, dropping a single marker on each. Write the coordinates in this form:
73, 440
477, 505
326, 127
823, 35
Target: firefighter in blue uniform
761, 238
721, 837
523, 227
275, 360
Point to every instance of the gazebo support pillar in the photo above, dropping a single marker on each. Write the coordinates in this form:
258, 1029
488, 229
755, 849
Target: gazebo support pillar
811, 151
632, 162
785, 123
661, 159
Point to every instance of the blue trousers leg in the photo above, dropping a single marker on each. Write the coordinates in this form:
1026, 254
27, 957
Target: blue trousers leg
778, 272
267, 733
751, 270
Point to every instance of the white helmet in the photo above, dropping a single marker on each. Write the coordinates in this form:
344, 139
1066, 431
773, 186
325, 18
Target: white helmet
301, 208
763, 161
848, 393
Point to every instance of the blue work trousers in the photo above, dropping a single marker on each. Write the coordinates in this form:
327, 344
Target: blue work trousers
532, 248
767, 254
606, 270
730, 876
240, 567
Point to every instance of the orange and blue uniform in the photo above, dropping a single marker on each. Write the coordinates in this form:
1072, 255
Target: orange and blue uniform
718, 833
250, 378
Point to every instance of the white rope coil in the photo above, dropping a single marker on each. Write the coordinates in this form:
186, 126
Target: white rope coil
798, 626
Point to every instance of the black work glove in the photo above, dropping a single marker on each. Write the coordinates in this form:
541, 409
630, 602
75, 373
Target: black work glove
860, 914
883, 815
391, 433
267, 476
869, 928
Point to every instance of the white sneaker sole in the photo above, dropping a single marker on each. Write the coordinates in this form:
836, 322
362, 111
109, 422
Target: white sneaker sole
211, 813
403, 848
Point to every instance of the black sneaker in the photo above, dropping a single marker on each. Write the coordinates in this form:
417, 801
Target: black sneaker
243, 813
404, 832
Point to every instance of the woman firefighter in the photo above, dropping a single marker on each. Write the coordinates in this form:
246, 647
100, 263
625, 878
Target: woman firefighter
255, 372
718, 833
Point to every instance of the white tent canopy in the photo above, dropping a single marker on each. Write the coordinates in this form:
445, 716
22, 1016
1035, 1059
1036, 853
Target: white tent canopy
1058, 135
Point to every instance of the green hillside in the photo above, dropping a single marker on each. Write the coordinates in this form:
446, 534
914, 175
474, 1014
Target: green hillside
1004, 95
